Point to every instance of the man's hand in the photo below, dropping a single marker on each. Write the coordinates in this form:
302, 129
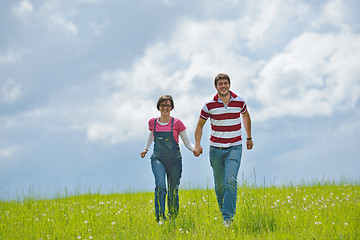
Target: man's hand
197, 151
247, 124
198, 134
249, 144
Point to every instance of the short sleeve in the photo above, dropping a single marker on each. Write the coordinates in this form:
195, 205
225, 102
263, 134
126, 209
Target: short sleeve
244, 108
179, 125
151, 124
205, 113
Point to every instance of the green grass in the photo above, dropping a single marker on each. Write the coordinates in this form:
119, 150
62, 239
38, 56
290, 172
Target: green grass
319, 211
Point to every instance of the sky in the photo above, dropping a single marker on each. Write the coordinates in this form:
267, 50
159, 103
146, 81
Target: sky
79, 80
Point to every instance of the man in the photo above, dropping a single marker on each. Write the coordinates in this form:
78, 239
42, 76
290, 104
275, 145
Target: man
224, 111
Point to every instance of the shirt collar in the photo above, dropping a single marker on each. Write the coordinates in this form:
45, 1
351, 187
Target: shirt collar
217, 99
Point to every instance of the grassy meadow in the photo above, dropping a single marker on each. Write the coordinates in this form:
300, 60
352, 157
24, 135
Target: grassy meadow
317, 211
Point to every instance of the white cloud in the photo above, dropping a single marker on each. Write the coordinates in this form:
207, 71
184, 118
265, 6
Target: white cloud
266, 23
23, 9
51, 15
309, 78
333, 14
317, 74
10, 91
129, 95
89, 1
164, 2
97, 28
166, 67
7, 152
11, 56
52, 6
6, 155
61, 21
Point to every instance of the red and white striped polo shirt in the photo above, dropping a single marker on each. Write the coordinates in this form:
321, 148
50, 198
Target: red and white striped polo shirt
225, 120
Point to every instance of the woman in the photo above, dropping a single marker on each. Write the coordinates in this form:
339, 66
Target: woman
166, 158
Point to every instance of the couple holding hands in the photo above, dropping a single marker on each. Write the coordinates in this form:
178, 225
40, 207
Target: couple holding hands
224, 111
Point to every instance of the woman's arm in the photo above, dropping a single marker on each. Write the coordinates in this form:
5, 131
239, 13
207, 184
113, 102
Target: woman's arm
148, 143
188, 144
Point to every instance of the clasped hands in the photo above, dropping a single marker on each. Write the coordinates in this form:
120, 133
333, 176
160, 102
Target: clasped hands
197, 151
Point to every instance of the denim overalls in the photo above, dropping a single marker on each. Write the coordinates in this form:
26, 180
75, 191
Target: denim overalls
166, 160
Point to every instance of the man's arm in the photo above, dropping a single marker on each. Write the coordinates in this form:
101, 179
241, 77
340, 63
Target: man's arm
247, 124
198, 134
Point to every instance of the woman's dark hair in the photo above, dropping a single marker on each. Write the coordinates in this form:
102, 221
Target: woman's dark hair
163, 99
221, 76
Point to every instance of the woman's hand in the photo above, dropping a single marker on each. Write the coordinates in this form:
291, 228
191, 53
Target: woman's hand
143, 153
197, 151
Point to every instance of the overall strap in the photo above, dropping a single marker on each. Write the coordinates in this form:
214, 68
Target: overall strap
155, 124
172, 124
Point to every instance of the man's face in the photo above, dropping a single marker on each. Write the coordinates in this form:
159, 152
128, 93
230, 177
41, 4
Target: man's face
223, 87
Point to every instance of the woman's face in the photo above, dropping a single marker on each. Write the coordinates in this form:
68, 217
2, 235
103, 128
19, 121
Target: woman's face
165, 107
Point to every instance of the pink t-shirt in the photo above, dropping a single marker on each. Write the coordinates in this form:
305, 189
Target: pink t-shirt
177, 128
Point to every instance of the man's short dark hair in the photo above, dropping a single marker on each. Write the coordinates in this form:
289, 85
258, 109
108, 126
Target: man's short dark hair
221, 76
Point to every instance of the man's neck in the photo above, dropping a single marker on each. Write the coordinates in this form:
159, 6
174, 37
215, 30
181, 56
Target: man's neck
225, 98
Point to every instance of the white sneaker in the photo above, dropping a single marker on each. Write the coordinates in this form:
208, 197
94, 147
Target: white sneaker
227, 223
161, 221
